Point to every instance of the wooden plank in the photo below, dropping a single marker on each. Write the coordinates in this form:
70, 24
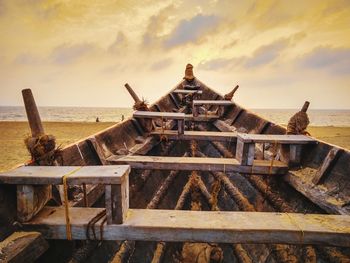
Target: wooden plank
22, 247
197, 135
185, 91
212, 102
202, 226
44, 175
327, 165
224, 126
316, 194
200, 164
117, 202
271, 138
201, 117
157, 115
98, 149
245, 152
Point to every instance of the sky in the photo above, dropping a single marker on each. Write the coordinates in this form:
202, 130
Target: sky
82, 52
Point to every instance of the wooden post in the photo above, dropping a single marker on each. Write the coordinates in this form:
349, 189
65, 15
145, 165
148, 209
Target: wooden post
132, 93
294, 154
31, 199
117, 201
32, 113
181, 126
245, 152
230, 95
305, 106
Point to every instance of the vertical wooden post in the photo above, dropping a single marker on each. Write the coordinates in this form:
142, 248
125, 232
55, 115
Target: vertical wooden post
229, 95
294, 154
245, 152
31, 199
117, 201
181, 126
305, 106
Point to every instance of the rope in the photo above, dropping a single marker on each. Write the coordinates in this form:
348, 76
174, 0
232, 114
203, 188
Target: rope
66, 204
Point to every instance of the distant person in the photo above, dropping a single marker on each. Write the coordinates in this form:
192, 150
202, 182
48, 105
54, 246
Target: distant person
122, 117
97, 119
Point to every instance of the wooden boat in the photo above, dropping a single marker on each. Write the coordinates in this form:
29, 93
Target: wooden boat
246, 206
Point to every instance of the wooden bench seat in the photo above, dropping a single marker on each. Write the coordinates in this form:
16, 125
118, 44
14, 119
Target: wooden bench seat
186, 91
200, 164
159, 114
198, 135
200, 226
212, 102
245, 150
29, 178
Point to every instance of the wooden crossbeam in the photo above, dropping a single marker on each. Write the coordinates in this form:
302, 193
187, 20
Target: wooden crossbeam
271, 138
200, 164
212, 102
44, 175
198, 135
159, 114
201, 226
185, 91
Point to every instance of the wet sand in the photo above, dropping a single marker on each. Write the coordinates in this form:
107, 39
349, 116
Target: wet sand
12, 134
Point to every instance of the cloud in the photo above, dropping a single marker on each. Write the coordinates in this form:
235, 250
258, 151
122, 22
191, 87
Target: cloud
162, 64
66, 53
27, 59
119, 42
266, 54
191, 30
337, 60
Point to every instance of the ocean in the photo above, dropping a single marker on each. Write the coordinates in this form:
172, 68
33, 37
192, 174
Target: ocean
338, 118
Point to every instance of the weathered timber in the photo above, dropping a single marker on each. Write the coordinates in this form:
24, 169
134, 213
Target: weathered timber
212, 102
117, 201
33, 116
132, 93
230, 95
305, 106
316, 194
275, 138
245, 152
98, 150
201, 117
327, 165
44, 175
197, 135
22, 247
158, 115
30, 199
224, 126
201, 226
185, 91
201, 164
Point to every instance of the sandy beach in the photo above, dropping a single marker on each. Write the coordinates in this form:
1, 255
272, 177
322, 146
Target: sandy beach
12, 134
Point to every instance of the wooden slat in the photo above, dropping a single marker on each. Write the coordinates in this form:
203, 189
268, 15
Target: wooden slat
44, 175
271, 138
157, 115
200, 164
316, 194
185, 91
327, 165
22, 247
224, 126
202, 226
198, 135
201, 117
212, 102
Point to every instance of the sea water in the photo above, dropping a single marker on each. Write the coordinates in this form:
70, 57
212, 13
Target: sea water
338, 118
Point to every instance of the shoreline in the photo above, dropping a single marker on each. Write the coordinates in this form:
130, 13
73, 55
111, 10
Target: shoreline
14, 152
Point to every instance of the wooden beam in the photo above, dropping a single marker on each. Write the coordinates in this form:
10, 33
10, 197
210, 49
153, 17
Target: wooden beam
200, 164
185, 91
201, 226
22, 247
327, 165
245, 152
212, 102
132, 93
33, 116
201, 117
276, 138
197, 135
45, 175
224, 126
159, 115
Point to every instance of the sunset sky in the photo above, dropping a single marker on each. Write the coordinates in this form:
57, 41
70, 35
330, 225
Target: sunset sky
81, 53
